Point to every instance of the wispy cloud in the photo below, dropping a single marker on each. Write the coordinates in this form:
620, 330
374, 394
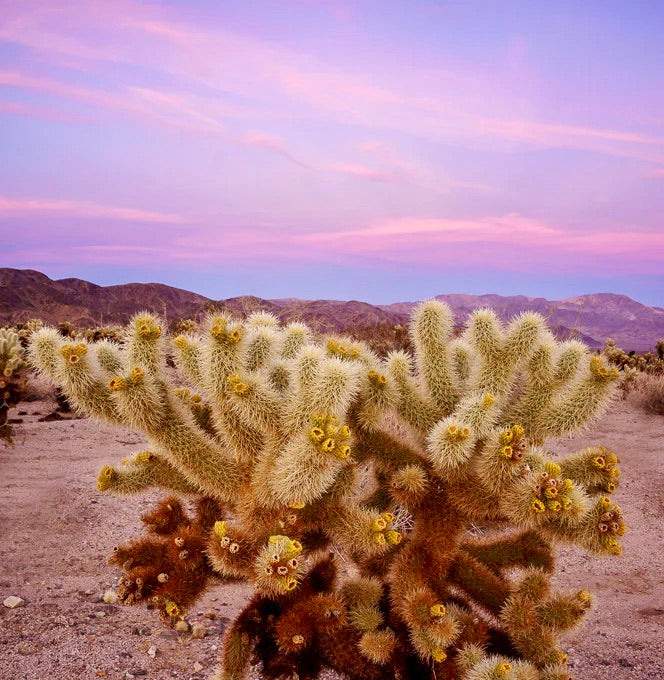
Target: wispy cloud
25, 207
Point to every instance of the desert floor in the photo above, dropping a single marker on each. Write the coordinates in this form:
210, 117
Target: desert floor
57, 530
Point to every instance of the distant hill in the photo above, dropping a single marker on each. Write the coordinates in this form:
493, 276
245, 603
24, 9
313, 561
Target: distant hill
26, 294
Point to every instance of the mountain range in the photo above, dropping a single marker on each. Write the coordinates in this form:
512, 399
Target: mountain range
25, 294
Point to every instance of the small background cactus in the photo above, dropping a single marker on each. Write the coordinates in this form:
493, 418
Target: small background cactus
300, 451
12, 381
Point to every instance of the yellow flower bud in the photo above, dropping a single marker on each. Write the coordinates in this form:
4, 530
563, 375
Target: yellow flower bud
220, 528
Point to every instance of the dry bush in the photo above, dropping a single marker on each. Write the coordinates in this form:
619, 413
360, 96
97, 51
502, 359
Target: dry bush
648, 392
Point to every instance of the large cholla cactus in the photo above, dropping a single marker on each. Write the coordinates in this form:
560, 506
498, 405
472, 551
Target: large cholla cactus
12, 383
345, 488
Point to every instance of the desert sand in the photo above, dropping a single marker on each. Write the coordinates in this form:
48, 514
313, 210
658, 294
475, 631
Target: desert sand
57, 530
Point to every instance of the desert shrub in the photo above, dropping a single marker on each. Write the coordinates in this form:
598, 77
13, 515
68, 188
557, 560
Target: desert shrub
301, 450
648, 392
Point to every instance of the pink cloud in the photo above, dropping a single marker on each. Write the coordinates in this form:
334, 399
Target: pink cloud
24, 207
364, 172
276, 81
271, 143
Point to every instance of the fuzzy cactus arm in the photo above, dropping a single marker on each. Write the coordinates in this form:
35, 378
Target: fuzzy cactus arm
501, 350
143, 471
109, 358
431, 327
145, 343
295, 336
252, 401
481, 583
523, 549
550, 369
188, 357
80, 381
584, 400
260, 346
412, 405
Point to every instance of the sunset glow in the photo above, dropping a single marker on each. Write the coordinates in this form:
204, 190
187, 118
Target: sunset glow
370, 150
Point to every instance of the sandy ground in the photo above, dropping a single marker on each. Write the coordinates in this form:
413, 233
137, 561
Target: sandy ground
57, 531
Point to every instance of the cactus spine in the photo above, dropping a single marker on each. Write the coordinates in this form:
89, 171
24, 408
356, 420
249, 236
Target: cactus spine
294, 446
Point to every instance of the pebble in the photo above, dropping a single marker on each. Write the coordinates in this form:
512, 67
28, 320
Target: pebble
100, 615
152, 651
198, 666
12, 602
210, 614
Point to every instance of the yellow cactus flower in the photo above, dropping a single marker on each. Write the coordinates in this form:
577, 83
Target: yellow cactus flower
437, 610
328, 445
551, 492
598, 461
344, 432
117, 384
240, 388
296, 505
172, 609
506, 451
393, 537
556, 506
502, 669
379, 538
518, 431
137, 374
438, 655
537, 505
180, 341
488, 400
552, 468
388, 517
583, 596
342, 452
106, 477
378, 524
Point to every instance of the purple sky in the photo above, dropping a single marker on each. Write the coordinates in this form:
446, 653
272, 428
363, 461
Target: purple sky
360, 149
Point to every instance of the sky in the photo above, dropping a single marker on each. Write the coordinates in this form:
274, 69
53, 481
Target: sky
369, 149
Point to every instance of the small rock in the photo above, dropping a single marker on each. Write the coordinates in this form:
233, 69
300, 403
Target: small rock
101, 674
13, 601
138, 671
100, 615
198, 666
139, 630
129, 676
198, 631
210, 614
152, 651
624, 663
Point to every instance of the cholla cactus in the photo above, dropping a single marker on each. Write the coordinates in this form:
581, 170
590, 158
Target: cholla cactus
12, 384
302, 451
